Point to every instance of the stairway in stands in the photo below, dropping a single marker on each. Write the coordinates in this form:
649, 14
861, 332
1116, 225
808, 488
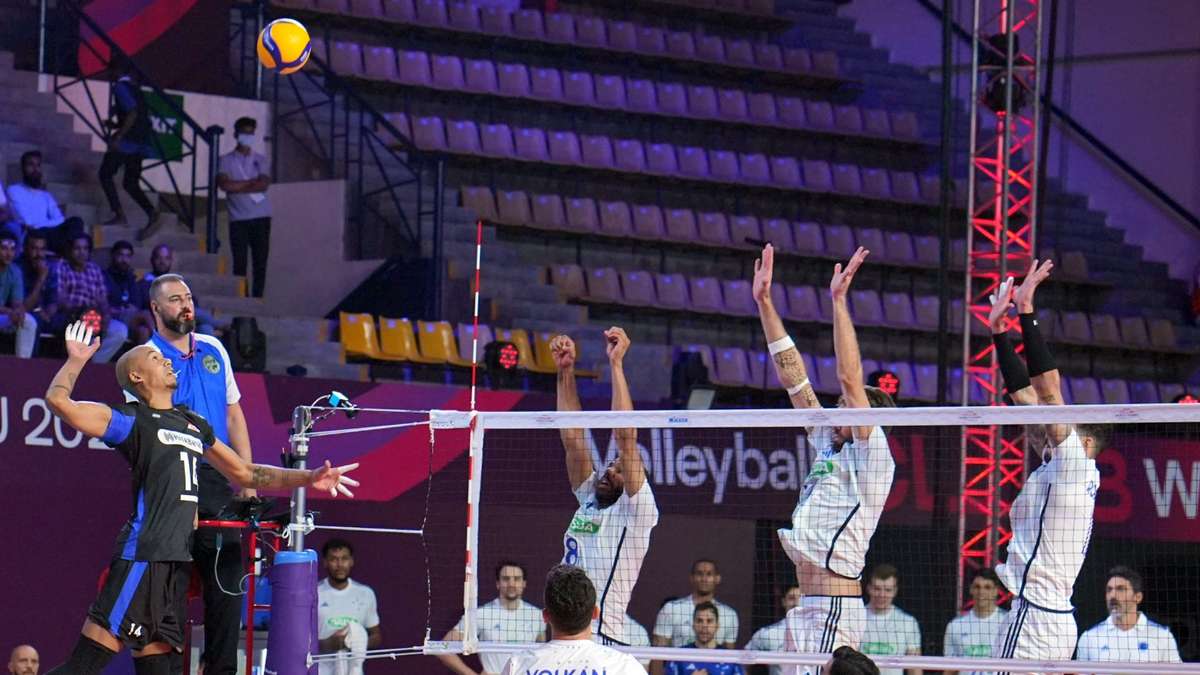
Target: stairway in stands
31, 120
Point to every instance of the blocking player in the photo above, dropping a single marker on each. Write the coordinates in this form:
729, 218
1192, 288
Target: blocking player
1051, 517
610, 532
143, 601
843, 496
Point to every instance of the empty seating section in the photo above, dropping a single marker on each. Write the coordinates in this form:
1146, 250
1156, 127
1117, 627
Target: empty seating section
654, 106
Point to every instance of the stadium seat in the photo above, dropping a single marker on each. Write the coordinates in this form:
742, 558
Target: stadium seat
1104, 329
1085, 391
436, 341
817, 175
847, 179
497, 140
672, 98
809, 238
525, 358
447, 73
672, 291
848, 119
346, 58
871, 239
464, 16
480, 77
713, 229
480, 200
597, 151
1115, 391
648, 222
629, 155
761, 108
429, 133
702, 101
693, 161
826, 63
927, 386
868, 311
732, 105
706, 295
513, 79
681, 44
785, 172
723, 165
578, 88
1048, 321
495, 20
876, 123
603, 285
466, 334
379, 63
616, 220
560, 27
681, 225
591, 31
768, 56
898, 310
928, 250
546, 84
1143, 391
827, 377
569, 279
548, 212
904, 186
898, 248
904, 124
581, 214
610, 91
738, 298
530, 144
512, 207
431, 12
527, 23
732, 368
463, 136
762, 373
1133, 332
639, 95
908, 379
778, 231
779, 297
797, 60
803, 304
710, 48
543, 356
660, 159
398, 342
1167, 391
926, 311
742, 228
819, 114
637, 288
367, 9
357, 335
399, 10
839, 241
791, 112
875, 183
1162, 334
564, 148
1075, 327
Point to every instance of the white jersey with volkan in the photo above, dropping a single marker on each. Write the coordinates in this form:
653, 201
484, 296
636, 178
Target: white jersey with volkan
1051, 527
561, 657
840, 503
609, 544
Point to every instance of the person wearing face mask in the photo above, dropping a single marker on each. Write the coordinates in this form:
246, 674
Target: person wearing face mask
245, 175
34, 207
131, 141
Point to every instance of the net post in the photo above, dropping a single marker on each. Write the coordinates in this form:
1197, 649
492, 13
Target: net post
301, 423
470, 637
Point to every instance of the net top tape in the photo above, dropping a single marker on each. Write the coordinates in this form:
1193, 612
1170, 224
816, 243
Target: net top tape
1161, 413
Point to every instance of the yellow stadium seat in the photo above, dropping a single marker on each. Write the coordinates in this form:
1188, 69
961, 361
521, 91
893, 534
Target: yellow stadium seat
542, 355
399, 343
436, 339
359, 338
520, 338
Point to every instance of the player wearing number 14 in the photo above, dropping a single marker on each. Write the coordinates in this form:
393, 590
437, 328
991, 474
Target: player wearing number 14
142, 601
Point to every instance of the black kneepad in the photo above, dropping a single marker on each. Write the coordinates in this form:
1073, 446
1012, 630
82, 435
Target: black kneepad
87, 658
158, 664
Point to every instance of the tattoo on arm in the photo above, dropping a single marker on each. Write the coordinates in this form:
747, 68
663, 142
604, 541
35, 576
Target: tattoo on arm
791, 367
61, 386
261, 476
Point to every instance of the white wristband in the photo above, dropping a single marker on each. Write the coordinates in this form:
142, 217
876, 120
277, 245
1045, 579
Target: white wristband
781, 345
792, 391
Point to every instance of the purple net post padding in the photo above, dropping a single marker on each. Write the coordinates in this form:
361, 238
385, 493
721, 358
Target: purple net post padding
293, 633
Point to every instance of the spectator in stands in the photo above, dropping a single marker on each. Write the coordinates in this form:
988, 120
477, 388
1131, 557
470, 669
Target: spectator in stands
35, 208
131, 141
245, 175
40, 284
13, 317
81, 289
161, 260
772, 638
508, 618
1127, 635
126, 297
890, 630
23, 661
706, 621
972, 633
347, 614
673, 626
850, 661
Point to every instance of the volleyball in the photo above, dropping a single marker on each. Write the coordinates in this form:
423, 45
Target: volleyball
284, 46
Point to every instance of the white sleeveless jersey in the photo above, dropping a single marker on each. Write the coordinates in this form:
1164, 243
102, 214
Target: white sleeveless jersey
1051, 527
840, 503
610, 544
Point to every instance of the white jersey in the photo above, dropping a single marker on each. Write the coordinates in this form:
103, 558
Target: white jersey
1051, 527
674, 622
893, 632
337, 609
636, 636
559, 657
771, 638
497, 624
1145, 642
971, 636
840, 503
609, 545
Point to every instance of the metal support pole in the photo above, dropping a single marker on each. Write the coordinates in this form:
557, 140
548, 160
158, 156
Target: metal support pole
42, 35
258, 68
301, 422
212, 241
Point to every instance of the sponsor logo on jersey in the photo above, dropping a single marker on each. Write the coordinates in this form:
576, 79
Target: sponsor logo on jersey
211, 365
168, 437
977, 651
584, 526
878, 648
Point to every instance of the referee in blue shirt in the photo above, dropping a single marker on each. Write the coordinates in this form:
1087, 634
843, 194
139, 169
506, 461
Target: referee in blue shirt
206, 386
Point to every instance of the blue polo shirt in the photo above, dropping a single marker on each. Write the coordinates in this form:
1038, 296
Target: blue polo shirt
206, 383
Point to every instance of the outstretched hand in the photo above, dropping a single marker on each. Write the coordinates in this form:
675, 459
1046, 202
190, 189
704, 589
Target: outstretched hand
764, 269
1001, 303
562, 348
839, 285
334, 479
80, 346
616, 344
1024, 293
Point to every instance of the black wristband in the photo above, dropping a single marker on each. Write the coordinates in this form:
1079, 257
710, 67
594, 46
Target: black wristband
1037, 354
1016, 377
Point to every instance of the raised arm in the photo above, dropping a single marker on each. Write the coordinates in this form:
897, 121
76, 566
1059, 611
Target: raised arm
1016, 377
84, 416
845, 342
238, 470
632, 468
789, 365
579, 460
1043, 371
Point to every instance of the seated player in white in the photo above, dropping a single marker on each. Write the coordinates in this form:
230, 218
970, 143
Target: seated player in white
972, 633
1127, 635
890, 630
570, 611
771, 638
1051, 517
673, 625
347, 612
610, 532
851, 476
508, 618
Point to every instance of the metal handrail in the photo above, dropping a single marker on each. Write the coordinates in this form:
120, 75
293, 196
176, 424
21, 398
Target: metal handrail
1100, 146
185, 206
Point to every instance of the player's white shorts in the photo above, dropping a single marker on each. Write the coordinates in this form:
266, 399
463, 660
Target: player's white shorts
822, 623
1031, 632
